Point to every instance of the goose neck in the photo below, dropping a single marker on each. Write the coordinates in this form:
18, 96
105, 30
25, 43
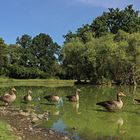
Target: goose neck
118, 98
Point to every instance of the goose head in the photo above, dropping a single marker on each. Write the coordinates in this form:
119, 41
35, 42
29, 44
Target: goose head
29, 92
78, 91
13, 89
121, 94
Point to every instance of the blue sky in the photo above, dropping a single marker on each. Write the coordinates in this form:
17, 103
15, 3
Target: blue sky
53, 17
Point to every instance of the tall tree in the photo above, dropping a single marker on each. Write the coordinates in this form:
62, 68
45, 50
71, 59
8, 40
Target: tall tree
3, 56
73, 58
25, 42
127, 20
134, 52
44, 52
69, 36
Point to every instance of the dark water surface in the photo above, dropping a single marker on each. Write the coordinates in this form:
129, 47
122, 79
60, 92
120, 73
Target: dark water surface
85, 120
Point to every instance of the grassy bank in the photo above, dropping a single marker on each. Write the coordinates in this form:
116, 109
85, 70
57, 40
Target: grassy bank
35, 82
6, 131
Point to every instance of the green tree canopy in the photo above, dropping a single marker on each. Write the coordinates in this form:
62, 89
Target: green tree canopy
127, 20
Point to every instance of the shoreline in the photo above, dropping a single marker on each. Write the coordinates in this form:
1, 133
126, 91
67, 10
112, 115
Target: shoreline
21, 124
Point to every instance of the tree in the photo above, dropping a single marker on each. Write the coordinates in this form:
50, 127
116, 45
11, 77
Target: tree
99, 26
25, 42
69, 37
72, 59
44, 52
84, 33
127, 20
134, 52
14, 52
3, 56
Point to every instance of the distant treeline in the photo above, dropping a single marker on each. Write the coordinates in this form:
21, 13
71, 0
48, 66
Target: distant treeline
107, 50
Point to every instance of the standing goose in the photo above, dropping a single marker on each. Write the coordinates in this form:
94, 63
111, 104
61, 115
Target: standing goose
113, 105
28, 97
9, 97
74, 98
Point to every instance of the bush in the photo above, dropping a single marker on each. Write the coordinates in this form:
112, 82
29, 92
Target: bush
21, 72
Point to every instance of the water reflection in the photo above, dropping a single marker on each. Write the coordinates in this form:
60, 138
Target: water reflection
75, 105
120, 123
90, 124
28, 107
56, 113
60, 102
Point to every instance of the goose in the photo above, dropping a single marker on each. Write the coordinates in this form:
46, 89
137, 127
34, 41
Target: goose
28, 97
54, 98
9, 97
74, 98
113, 105
138, 100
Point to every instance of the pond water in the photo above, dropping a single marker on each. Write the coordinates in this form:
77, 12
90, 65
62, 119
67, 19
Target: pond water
85, 120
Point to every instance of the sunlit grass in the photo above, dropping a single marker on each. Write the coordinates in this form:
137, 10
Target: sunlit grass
5, 82
6, 133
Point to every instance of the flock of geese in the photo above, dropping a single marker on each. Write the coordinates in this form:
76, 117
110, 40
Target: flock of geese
10, 97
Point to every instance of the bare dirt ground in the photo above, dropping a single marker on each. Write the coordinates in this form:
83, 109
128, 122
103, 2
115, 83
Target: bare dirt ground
22, 125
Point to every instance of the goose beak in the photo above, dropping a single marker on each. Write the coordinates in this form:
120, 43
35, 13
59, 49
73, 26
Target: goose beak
79, 90
123, 95
29, 91
13, 89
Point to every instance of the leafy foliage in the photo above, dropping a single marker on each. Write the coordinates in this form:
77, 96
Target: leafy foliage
107, 50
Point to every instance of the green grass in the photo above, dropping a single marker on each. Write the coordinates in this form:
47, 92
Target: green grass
35, 82
6, 133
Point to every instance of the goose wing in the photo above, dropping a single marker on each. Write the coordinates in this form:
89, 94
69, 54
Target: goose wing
70, 96
109, 105
48, 97
138, 100
106, 103
25, 97
6, 97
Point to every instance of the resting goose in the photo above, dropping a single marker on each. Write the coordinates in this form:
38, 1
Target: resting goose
9, 97
55, 98
28, 97
113, 105
74, 98
52, 98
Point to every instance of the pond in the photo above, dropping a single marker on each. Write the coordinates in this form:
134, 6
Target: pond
85, 120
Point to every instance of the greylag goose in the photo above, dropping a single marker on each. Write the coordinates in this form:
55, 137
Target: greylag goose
113, 105
28, 97
74, 98
9, 97
138, 100
54, 98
